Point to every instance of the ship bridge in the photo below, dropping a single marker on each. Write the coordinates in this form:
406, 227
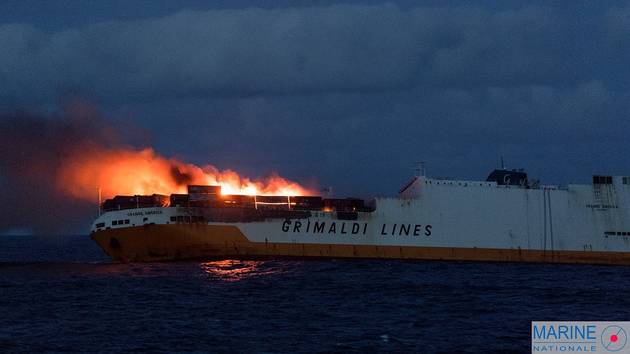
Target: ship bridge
497, 178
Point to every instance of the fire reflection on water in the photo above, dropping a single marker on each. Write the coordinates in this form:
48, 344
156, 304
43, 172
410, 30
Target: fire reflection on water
237, 270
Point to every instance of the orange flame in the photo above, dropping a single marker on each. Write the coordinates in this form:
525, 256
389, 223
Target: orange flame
130, 172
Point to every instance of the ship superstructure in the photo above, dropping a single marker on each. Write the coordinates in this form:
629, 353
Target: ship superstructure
504, 218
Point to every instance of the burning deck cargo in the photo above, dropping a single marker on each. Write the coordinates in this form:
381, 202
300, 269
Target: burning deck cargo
201, 197
122, 202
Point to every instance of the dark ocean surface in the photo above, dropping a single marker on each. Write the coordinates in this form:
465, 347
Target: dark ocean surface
61, 294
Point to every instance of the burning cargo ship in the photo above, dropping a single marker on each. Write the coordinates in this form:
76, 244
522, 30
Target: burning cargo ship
504, 218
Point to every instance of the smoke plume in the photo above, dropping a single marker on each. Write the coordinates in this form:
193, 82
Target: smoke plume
52, 169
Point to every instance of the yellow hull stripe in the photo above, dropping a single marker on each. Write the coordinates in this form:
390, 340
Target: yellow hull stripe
187, 241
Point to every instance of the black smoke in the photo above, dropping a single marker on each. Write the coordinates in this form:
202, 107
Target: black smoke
32, 149
181, 178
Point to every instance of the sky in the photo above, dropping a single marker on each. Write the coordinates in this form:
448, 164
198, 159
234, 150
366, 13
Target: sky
343, 94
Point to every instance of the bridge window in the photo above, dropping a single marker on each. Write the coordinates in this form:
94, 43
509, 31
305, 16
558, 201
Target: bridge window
173, 218
602, 180
115, 222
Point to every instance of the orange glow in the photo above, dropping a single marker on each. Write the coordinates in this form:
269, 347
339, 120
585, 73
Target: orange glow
130, 172
235, 270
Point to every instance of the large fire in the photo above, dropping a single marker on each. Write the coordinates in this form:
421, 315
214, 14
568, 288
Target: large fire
129, 172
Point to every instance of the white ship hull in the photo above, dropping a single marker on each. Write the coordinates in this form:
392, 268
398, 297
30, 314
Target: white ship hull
468, 220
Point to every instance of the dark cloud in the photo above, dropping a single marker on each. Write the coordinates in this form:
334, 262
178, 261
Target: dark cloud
350, 95
289, 51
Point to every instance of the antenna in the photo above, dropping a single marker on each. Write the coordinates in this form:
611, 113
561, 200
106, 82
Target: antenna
99, 201
502, 163
327, 192
420, 168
